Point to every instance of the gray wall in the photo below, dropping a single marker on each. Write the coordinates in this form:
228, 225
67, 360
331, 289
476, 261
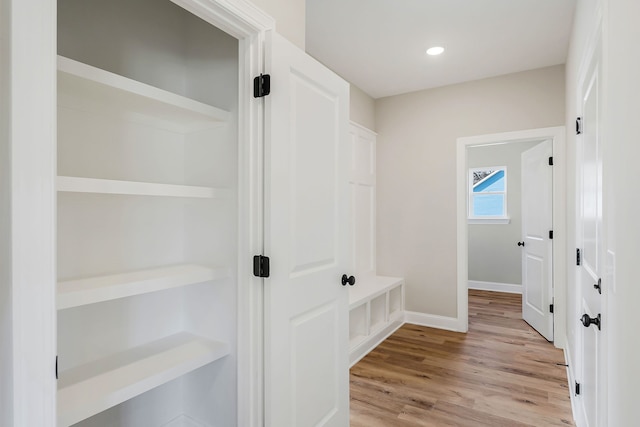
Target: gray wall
362, 109
493, 253
416, 180
289, 16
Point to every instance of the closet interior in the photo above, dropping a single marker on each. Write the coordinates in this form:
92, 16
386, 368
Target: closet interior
147, 221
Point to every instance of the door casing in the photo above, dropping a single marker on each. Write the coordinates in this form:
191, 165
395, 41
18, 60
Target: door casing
557, 135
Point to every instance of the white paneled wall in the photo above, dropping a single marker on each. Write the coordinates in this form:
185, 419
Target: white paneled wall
376, 303
363, 200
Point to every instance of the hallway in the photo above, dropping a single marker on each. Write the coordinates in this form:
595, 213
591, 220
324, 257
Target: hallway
501, 373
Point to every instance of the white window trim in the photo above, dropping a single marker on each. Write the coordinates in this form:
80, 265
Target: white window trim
505, 220
499, 219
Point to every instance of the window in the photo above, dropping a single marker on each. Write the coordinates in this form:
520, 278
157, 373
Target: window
488, 195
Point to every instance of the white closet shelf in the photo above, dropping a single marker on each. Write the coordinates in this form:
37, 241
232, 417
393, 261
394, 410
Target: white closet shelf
80, 81
92, 388
74, 184
75, 293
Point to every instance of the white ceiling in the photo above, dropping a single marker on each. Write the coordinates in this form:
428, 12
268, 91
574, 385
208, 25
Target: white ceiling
379, 45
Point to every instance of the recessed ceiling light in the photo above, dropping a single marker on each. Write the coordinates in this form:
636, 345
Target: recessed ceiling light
436, 50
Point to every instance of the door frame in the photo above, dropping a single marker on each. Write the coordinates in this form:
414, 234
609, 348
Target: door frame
557, 135
28, 397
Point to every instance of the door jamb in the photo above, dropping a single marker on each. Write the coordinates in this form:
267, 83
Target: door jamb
557, 135
249, 25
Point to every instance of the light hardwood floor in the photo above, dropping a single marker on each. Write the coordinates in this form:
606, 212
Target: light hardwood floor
501, 373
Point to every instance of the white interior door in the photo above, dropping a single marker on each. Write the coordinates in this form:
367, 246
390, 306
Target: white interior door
307, 238
537, 257
590, 239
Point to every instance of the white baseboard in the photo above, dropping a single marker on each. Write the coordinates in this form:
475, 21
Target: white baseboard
374, 340
432, 321
495, 287
184, 421
576, 402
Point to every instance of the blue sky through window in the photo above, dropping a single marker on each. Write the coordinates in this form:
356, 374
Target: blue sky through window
485, 201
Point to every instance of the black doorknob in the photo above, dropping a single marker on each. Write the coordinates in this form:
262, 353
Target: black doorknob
520, 243
588, 321
350, 280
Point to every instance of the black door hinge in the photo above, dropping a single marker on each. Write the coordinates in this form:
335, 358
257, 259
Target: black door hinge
551, 234
578, 125
261, 85
261, 266
550, 161
550, 308
577, 256
56, 367
577, 388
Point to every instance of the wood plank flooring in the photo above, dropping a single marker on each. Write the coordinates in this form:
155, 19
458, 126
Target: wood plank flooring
501, 373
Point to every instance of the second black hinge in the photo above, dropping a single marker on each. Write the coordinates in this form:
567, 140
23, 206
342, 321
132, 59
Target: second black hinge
261, 266
578, 125
551, 234
577, 256
550, 308
577, 388
261, 85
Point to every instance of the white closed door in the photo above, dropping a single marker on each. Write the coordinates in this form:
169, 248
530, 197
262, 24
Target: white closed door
537, 252
307, 239
590, 374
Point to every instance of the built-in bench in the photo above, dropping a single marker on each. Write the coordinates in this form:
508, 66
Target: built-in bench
376, 310
376, 303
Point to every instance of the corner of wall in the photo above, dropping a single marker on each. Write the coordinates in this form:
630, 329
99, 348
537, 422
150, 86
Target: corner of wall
289, 16
362, 108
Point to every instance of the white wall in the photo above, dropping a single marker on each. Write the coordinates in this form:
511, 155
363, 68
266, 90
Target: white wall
622, 107
493, 253
6, 313
362, 109
416, 192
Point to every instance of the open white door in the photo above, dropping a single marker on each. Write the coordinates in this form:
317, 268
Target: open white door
537, 272
307, 239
